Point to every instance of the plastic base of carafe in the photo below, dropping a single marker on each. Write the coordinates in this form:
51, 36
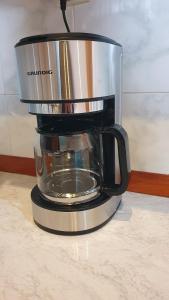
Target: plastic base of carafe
74, 219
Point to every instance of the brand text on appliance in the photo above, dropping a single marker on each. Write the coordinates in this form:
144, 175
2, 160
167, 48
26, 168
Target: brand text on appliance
44, 72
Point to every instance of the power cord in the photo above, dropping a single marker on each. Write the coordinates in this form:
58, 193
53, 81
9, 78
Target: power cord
63, 9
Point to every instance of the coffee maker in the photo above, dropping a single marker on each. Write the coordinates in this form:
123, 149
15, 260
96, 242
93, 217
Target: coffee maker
72, 83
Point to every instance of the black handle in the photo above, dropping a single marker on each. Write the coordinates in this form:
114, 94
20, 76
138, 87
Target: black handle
109, 134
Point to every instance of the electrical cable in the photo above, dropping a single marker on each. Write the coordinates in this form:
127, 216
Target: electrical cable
65, 20
63, 9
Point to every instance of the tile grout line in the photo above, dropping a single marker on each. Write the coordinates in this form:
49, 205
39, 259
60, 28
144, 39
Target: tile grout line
145, 93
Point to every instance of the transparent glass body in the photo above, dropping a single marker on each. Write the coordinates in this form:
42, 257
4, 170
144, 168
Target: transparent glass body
69, 167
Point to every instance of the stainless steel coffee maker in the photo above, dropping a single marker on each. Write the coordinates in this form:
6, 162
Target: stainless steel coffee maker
72, 83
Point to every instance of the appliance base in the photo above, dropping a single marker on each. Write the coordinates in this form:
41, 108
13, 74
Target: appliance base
72, 219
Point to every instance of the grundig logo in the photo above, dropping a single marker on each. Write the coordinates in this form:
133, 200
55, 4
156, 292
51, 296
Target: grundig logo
39, 72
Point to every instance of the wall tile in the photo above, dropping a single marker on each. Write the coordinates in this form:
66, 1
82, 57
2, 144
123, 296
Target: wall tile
5, 141
20, 18
142, 28
21, 127
1, 80
146, 119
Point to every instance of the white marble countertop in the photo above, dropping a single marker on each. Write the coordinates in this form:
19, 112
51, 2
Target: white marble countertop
126, 259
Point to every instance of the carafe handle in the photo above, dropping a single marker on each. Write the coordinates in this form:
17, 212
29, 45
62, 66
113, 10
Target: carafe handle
109, 135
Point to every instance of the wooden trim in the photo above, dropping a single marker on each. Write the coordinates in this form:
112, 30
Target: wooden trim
149, 183
20, 165
140, 182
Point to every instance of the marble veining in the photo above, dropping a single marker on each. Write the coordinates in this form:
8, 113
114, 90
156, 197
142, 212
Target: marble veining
20, 19
141, 27
126, 259
17, 127
145, 117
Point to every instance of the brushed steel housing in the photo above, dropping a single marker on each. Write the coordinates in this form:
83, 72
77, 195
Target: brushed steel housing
76, 221
66, 108
51, 72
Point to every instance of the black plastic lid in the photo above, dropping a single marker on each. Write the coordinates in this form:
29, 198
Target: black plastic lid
65, 36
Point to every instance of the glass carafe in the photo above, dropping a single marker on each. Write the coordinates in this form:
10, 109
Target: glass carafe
71, 167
